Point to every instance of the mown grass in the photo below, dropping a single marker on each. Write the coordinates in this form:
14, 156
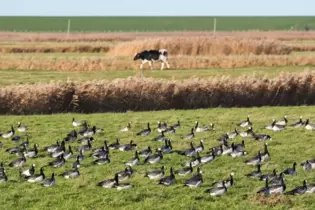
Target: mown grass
127, 24
12, 76
81, 193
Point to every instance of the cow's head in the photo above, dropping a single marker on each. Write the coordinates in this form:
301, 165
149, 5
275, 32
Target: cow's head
136, 57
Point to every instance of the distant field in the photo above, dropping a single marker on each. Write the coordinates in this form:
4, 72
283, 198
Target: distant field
128, 24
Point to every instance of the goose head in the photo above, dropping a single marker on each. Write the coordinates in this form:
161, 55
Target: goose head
201, 144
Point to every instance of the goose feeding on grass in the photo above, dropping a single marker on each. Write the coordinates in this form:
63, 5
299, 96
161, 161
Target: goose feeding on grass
115, 145
125, 174
49, 182
19, 162
58, 162
146, 152
290, 171
9, 133
190, 135
255, 174
262, 137
270, 176
126, 128
145, 132
298, 190
275, 189
161, 127
154, 158
71, 174
254, 160
107, 183
168, 180
161, 137
196, 180
127, 147
156, 173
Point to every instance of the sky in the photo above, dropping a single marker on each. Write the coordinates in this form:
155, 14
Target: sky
157, 8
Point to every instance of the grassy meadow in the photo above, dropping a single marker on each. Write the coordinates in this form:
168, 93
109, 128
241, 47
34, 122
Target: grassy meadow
128, 24
82, 192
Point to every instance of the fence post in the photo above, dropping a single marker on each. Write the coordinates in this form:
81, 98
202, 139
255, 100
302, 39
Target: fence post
214, 26
68, 29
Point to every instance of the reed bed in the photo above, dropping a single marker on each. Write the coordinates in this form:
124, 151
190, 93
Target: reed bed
55, 49
129, 36
139, 94
86, 63
194, 46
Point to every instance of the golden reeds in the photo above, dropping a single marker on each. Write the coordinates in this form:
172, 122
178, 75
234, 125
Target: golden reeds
54, 49
139, 93
87, 63
194, 46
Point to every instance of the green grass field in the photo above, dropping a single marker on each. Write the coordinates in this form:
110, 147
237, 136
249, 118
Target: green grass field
12, 77
82, 193
126, 24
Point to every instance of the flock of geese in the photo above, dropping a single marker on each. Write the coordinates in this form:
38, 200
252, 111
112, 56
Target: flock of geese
85, 136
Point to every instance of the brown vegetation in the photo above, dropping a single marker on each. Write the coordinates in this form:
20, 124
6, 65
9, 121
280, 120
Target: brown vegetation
85, 63
128, 36
137, 93
272, 200
54, 49
203, 46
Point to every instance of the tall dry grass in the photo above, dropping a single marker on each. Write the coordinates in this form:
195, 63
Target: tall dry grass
85, 63
129, 36
194, 46
138, 94
55, 49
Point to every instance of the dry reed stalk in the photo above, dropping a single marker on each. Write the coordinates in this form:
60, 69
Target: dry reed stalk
55, 49
194, 46
128, 36
84, 63
139, 93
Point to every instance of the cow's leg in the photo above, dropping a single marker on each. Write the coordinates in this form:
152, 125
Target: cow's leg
162, 65
142, 63
150, 64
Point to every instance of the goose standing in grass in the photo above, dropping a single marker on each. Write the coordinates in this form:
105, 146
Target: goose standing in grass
201, 147
156, 173
86, 147
21, 128
199, 129
233, 135
32, 153
58, 162
245, 123
107, 183
99, 154
196, 180
254, 160
218, 191
161, 137
276, 180
84, 140
53, 147
275, 189
290, 171
28, 172
134, 161
167, 148
298, 124
121, 186
308, 125
185, 171
189, 152
37, 177
9, 133
77, 123
146, 152
177, 125
102, 160
76, 164
49, 182
115, 145
207, 158
125, 174
248, 133
168, 180
195, 161
19, 162
126, 128
90, 132
127, 147
190, 135
265, 155
71, 137
59, 151
282, 122
298, 190
307, 166
145, 132
228, 182
161, 127
154, 158
255, 174
170, 130
237, 153
71, 174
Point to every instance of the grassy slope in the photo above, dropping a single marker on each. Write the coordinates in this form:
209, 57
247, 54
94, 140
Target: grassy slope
151, 23
11, 77
81, 193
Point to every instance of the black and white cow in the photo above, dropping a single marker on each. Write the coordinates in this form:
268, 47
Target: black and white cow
153, 55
